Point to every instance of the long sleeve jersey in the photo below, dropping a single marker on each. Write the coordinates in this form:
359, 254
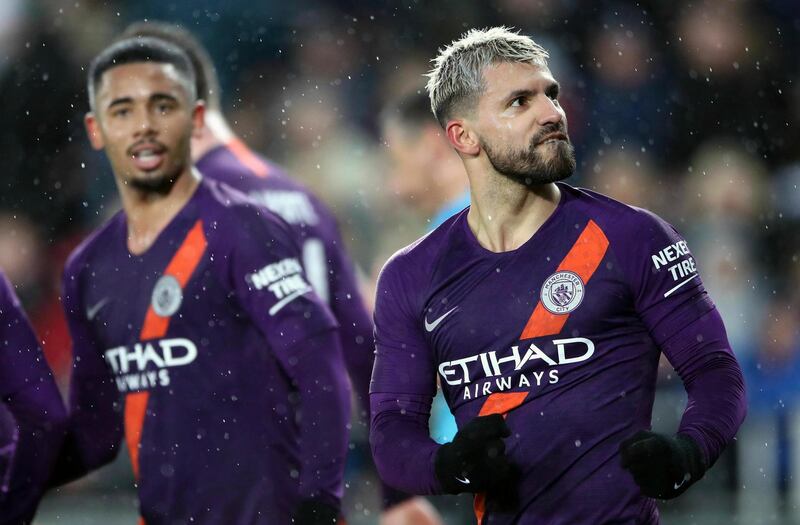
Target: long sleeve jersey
563, 336
211, 355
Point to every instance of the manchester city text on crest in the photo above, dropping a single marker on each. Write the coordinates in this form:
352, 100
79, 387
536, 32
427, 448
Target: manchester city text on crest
562, 292
167, 296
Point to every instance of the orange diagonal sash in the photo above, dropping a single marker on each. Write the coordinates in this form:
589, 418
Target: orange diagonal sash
181, 267
582, 259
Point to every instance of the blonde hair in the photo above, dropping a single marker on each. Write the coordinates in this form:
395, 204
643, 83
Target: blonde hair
456, 79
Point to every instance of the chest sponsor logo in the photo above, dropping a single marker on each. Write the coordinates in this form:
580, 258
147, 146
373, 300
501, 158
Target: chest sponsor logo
678, 261
284, 279
146, 365
167, 296
562, 292
489, 372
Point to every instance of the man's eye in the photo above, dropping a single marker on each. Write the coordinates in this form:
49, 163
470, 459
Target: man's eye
122, 112
164, 108
517, 102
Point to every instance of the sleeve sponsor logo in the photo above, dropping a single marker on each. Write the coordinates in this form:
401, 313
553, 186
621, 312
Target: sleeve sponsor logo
284, 279
145, 365
678, 261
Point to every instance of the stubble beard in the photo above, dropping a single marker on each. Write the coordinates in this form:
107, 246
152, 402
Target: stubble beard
159, 185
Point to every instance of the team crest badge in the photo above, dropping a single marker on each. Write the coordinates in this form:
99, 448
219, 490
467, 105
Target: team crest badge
562, 292
167, 296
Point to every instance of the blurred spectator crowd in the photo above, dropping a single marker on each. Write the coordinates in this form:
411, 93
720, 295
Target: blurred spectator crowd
689, 108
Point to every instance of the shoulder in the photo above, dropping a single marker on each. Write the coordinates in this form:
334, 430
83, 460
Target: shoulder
240, 165
230, 216
268, 184
86, 256
617, 219
96, 244
413, 265
7, 295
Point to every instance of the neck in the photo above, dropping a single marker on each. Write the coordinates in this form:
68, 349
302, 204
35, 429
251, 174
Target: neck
503, 214
147, 213
215, 133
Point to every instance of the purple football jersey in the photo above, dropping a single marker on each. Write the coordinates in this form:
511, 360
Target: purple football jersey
218, 360
328, 267
563, 337
32, 415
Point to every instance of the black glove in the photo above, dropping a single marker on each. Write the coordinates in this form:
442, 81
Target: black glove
313, 512
663, 467
475, 460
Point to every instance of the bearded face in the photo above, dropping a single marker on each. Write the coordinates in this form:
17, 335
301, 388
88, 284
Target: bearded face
548, 157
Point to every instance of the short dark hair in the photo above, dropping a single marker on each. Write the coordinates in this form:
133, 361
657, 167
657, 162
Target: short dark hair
206, 79
412, 111
133, 50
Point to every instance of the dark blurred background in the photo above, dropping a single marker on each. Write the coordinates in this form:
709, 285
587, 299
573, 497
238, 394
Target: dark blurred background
689, 108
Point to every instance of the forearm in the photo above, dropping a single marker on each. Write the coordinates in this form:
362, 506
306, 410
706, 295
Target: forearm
355, 333
94, 431
355, 323
358, 347
716, 406
401, 445
9, 437
324, 416
40, 419
713, 379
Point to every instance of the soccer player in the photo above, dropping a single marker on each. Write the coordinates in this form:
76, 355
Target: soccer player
200, 342
220, 155
543, 309
32, 415
428, 175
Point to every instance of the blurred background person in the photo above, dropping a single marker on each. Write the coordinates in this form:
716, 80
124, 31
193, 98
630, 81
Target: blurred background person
427, 175
220, 155
32, 414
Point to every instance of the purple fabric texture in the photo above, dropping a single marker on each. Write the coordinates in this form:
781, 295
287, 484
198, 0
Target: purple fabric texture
32, 414
565, 332
331, 271
248, 400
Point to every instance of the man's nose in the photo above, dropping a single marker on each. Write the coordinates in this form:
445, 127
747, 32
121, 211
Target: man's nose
145, 125
549, 111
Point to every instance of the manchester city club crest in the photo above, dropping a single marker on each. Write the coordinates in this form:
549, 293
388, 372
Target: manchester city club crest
167, 296
562, 292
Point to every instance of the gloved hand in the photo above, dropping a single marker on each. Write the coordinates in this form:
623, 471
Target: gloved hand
663, 467
313, 512
475, 460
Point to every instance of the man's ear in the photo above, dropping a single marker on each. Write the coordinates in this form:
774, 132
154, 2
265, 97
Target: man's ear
462, 138
198, 118
93, 131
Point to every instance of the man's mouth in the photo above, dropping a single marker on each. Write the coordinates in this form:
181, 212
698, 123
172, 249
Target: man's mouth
552, 138
148, 157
